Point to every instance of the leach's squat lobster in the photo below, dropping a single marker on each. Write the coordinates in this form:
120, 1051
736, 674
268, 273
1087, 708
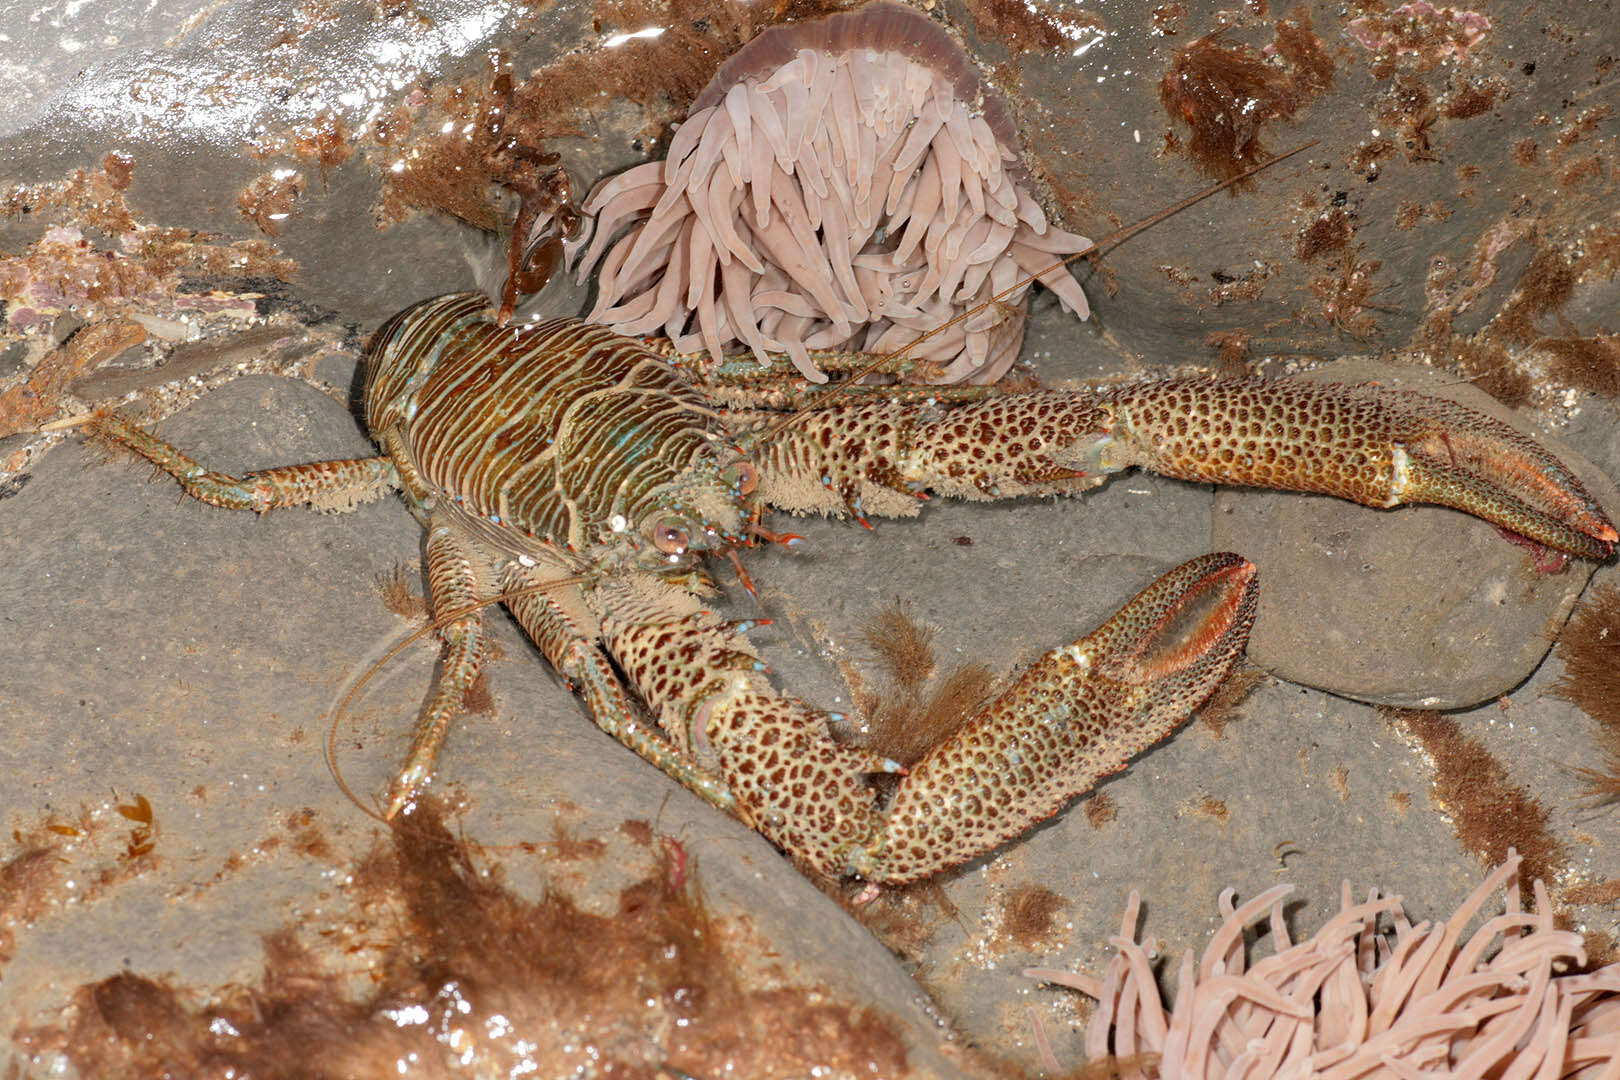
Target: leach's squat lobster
581, 477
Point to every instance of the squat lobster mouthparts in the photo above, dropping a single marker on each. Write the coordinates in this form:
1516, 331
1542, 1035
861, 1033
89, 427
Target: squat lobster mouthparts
578, 476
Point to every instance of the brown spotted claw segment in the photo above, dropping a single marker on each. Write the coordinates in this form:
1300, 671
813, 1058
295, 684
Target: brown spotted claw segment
1377, 447
1078, 714
1371, 445
708, 689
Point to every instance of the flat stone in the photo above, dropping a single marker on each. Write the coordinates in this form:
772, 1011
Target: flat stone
1423, 607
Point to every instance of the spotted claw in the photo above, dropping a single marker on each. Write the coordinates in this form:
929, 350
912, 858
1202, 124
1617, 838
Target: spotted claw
1371, 445
1453, 456
1080, 713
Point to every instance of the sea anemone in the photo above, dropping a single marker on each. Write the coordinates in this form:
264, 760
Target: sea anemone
1356, 1001
846, 183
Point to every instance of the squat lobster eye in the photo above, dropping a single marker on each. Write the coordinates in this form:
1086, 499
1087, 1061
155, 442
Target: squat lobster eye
670, 536
741, 475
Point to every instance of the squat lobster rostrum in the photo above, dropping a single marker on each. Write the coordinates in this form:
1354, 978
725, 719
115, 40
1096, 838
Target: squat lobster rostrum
582, 477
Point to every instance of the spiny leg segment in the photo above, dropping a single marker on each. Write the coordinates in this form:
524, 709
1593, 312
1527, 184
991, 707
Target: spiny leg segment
454, 586
325, 485
457, 583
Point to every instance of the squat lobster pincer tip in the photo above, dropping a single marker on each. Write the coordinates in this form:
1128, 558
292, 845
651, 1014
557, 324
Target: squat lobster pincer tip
1176, 639
1366, 443
1491, 471
1077, 715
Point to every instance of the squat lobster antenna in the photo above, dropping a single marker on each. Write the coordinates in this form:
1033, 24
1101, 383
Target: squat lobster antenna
1112, 240
1119, 236
438, 622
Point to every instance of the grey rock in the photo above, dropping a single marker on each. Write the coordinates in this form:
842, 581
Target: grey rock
49, 45
152, 645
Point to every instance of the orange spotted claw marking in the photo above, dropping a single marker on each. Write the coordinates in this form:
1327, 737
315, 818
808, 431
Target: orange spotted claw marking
1373, 446
1077, 715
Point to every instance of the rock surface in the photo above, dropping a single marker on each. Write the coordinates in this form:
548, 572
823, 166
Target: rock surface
160, 648
192, 656
1420, 607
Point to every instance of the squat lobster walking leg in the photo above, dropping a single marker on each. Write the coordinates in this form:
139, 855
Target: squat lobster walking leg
325, 485
453, 584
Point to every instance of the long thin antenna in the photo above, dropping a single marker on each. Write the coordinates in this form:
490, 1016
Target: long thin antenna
1097, 248
438, 622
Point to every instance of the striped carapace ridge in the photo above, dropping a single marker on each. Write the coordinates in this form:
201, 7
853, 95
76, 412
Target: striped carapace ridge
560, 431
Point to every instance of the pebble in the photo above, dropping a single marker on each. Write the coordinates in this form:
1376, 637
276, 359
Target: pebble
1420, 607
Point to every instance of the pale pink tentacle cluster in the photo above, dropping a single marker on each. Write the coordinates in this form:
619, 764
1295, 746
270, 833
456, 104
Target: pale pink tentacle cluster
848, 189
1347, 1003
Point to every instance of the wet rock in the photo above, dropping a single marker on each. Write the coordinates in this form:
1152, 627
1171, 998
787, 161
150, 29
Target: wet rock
190, 655
193, 656
1420, 606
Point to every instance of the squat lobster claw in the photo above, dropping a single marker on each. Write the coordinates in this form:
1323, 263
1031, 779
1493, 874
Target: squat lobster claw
579, 476
1381, 448
1078, 714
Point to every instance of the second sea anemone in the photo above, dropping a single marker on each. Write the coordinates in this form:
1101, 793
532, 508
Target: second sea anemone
1356, 1000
